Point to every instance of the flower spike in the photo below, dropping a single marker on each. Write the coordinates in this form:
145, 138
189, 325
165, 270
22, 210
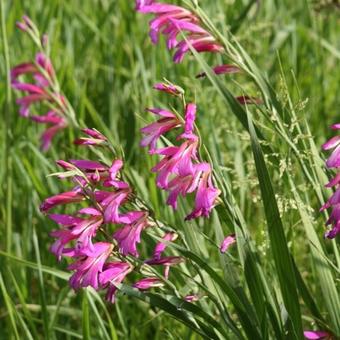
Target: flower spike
174, 21
333, 162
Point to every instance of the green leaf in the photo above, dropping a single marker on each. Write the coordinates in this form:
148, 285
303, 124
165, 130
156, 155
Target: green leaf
278, 242
176, 312
323, 268
241, 304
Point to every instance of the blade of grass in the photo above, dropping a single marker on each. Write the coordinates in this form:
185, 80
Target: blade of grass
44, 311
105, 334
48, 270
278, 242
26, 311
10, 308
323, 269
168, 307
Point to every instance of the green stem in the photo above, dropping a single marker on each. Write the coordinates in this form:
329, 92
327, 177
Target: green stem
7, 109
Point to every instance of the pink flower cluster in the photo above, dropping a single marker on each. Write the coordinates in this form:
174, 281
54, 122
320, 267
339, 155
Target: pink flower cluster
333, 162
39, 91
172, 22
100, 264
180, 172
40, 88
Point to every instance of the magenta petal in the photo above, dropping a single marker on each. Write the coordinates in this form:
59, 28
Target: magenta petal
160, 8
335, 181
334, 160
315, 335
45, 63
49, 118
332, 143
148, 283
190, 116
142, 3
113, 274
128, 237
170, 89
165, 261
227, 242
88, 268
182, 25
205, 198
47, 136
65, 220
162, 112
22, 69
30, 88
222, 69
63, 198
90, 211
161, 246
88, 165
94, 133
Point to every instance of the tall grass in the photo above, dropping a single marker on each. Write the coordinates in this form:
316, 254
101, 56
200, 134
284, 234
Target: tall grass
282, 277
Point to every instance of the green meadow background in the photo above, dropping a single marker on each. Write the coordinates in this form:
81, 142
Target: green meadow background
106, 66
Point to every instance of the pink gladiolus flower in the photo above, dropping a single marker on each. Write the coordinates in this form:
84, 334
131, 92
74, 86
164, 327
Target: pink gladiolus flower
205, 198
89, 266
111, 202
221, 69
63, 236
129, 235
176, 161
94, 138
147, 283
161, 246
63, 198
82, 230
171, 21
155, 130
112, 180
114, 273
185, 184
317, 335
334, 201
168, 88
167, 262
227, 242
